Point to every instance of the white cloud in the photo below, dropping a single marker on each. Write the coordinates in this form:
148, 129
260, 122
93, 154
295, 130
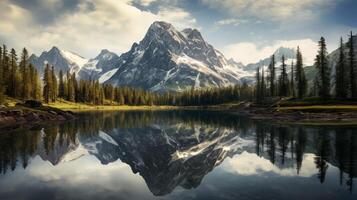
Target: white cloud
146, 2
230, 21
177, 16
250, 53
278, 10
250, 164
109, 24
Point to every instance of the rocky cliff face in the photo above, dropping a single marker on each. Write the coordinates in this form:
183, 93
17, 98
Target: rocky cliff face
170, 60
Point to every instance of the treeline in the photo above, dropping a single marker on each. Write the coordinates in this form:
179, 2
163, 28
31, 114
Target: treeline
295, 84
18, 78
21, 80
214, 96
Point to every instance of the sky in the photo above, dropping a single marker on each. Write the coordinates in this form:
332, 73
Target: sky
246, 30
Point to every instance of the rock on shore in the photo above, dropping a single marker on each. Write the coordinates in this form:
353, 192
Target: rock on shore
27, 114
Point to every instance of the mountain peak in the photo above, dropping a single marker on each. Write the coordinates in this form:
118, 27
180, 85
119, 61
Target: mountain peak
54, 49
192, 34
160, 25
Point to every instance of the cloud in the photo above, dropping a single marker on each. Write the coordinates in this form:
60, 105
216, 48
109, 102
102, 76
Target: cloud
146, 2
250, 164
177, 16
276, 10
94, 25
230, 21
246, 52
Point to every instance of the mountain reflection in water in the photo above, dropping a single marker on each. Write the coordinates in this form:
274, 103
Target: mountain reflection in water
180, 148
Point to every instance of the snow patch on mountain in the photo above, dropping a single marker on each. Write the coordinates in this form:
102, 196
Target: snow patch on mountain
107, 75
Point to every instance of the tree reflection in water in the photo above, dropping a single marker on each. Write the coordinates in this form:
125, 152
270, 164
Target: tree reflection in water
179, 148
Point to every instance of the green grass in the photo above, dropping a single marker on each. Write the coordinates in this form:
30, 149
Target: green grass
66, 105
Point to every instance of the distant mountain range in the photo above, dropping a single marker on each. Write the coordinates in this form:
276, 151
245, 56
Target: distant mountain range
164, 60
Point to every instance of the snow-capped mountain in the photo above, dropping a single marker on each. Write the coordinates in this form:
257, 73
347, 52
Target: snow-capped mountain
60, 59
170, 60
100, 67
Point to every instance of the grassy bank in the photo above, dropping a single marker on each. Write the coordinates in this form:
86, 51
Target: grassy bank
66, 105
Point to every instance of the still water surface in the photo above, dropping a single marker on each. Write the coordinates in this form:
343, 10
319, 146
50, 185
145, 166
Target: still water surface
177, 155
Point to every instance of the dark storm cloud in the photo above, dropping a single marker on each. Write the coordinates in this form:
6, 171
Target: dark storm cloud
45, 12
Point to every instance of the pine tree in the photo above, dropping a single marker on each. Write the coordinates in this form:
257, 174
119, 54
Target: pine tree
341, 83
13, 87
283, 79
272, 76
353, 67
300, 75
35, 83
292, 85
75, 86
54, 85
262, 86
61, 87
6, 69
70, 88
24, 72
257, 90
323, 70
1, 78
47, 80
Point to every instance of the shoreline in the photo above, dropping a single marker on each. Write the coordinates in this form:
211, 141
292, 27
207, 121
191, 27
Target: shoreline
23, 116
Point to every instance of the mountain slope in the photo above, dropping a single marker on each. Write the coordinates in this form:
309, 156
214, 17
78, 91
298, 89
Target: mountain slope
60, 59
169, 60
95, 68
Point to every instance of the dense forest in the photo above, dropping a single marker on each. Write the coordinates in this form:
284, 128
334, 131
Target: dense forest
341, 86
20, 79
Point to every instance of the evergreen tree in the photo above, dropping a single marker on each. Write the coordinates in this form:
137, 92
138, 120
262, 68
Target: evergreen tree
300, 75
54, 85
1, 78
292, 84
352, 66
262, 85
323, 70
258, 88
341, 83
35, 83
13, 84
70, 87
25, 77
61, 87
283, 79
47, 80
272, 76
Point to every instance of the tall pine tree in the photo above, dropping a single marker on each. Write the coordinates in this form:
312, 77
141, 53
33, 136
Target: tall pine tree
323, 70
292, 82
61, 87
283, 79
352, 66
341, 88
272, 76
47, 81
13, 84
300, 75
1, 78
258, 87
24, 74
54, 85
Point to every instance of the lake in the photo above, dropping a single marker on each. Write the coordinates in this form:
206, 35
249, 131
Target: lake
177, 155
